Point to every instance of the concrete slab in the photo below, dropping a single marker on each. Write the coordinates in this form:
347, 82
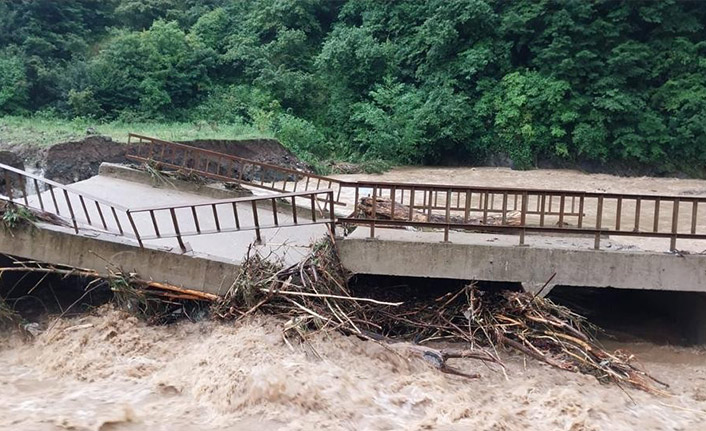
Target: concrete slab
499, 258
59, 245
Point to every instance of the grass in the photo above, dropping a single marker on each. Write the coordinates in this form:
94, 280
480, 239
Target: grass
42, 131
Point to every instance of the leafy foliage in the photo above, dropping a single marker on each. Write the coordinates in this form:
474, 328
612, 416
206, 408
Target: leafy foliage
414, 81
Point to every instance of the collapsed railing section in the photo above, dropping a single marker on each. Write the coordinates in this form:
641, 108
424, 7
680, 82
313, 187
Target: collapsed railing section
233, 215
77, 209
82, 211
224, 167
514, 210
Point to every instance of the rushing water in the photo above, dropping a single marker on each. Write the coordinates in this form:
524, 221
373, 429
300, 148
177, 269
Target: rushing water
108, 371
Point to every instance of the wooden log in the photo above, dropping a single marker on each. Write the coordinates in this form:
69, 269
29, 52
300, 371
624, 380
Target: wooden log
384, 211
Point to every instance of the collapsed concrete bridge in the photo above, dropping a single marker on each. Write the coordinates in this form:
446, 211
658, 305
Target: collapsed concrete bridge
195, 235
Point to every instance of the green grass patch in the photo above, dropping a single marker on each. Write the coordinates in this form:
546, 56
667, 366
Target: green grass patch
42, 131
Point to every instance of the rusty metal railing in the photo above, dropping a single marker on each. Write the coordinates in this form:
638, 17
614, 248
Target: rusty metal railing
517, 210
75, 208
232, 215
85, 212
224, 167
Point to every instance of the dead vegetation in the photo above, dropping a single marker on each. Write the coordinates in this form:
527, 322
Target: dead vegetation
165, 177
13, 216
154, 302
313, 295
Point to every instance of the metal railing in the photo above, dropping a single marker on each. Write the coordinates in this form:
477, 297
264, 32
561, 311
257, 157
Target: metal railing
448, 207
77, 209
224, 167
517, 210
232, 215
86, 212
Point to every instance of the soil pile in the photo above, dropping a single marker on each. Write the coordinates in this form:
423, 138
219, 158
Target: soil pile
69, 162
74, 161
11, 159
261, 150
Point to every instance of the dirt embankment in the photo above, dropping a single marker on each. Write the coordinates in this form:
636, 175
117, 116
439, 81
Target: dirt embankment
73, 161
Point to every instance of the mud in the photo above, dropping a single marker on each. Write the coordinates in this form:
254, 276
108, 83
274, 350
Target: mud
11, 159
70, 162
260, 150
109, 371
74, 161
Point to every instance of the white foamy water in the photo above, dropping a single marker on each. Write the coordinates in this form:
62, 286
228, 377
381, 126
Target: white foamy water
110, 371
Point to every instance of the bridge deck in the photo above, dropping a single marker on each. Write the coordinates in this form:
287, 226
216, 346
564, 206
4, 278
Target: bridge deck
287, 242
496, 257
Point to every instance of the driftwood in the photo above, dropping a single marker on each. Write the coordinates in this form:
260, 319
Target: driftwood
150, 287
384, 211
314, 295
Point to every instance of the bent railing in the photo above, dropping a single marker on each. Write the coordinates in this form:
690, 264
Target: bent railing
85, 212
378, 204
233, 215
517, 210
75, 208
224, 167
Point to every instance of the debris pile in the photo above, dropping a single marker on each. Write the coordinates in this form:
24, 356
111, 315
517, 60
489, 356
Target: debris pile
313, 295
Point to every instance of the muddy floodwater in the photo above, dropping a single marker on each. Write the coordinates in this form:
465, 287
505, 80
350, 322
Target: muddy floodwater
110, 371
557, 179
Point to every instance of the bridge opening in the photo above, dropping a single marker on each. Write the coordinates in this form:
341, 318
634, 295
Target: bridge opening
35, 295
661, 317
400, 288
38, 292
626, 315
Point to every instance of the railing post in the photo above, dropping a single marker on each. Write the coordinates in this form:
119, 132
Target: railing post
599, 221
215, 217
39, 194
638, 204
71, 210
100, 214
372, 223
447, 215
332, 214
134, 228
504, 209
467, 206
294, 210
176, 229
675, 224
257, 222
523, 218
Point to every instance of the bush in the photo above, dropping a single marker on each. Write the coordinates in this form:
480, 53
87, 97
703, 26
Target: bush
301, 136
13, 83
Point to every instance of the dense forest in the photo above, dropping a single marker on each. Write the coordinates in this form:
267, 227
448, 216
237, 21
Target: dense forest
562, 82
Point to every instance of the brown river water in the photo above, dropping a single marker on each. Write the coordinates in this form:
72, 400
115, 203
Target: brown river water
109, 371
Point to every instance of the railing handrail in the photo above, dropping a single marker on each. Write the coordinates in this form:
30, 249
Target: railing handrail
529, 228
236, 158
232, 200
62, 187
514, 190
